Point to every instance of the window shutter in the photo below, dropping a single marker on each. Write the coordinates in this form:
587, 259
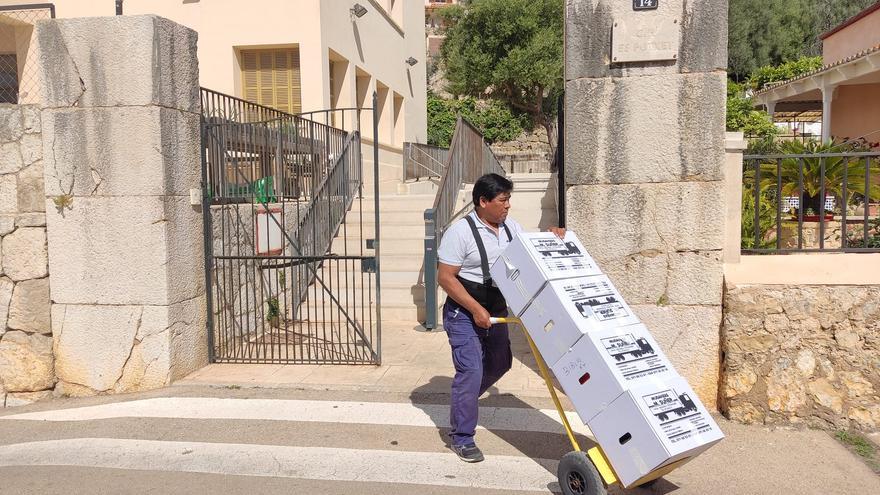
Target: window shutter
272, 78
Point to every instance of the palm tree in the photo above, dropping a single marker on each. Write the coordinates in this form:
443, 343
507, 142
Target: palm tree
838, 169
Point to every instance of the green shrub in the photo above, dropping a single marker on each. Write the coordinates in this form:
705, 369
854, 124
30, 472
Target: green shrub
789, 70
494, 119
754, 124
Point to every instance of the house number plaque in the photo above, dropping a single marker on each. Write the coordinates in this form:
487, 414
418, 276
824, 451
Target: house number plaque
645, 4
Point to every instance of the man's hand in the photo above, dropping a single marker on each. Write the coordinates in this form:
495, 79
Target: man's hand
481, 318
559, 231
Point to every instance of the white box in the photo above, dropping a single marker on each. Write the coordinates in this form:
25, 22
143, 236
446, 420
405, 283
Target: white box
604, 363
652, 425
566, 309
532, 259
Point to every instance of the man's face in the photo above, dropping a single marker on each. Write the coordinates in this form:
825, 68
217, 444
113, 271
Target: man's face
495, 211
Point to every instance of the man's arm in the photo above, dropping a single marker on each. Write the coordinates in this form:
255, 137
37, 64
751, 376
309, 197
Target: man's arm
447, 279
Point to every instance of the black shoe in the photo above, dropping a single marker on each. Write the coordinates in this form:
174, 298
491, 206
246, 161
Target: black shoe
468, 453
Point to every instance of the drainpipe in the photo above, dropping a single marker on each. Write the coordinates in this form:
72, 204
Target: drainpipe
118, 7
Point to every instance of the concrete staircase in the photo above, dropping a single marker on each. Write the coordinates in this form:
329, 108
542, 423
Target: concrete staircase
402, 228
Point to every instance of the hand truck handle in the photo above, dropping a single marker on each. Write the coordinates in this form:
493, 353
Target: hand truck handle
510, 319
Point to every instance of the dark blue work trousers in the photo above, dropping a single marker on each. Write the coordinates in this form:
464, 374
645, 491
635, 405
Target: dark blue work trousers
480, 357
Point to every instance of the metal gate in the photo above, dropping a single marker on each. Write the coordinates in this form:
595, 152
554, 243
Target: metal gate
291, 261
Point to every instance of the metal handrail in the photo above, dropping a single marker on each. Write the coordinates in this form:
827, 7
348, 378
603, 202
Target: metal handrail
233, 109
431, 161
469, 158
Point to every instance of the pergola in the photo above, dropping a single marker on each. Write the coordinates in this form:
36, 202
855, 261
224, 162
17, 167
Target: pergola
811, 96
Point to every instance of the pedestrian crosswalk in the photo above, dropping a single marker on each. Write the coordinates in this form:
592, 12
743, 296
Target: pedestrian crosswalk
350, 412
316, 463
105, 444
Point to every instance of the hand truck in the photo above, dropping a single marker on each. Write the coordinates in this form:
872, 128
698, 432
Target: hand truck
579, 472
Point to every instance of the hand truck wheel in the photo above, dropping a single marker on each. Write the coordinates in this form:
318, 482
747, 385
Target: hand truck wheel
578, 476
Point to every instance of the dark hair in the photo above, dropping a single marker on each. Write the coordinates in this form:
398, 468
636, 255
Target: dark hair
490, 186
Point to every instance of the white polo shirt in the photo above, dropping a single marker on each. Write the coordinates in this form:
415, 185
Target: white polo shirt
459, 248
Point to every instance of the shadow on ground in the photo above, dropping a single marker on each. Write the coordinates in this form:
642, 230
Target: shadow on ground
543, 447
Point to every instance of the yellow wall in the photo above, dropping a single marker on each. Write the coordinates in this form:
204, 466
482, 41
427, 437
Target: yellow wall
376, 44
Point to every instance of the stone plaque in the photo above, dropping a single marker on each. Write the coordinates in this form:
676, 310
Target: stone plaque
642, 37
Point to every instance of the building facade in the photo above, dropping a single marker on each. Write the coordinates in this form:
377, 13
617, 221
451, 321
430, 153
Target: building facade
296, 56
846, 90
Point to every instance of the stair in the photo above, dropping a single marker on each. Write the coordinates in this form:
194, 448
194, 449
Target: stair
402, 229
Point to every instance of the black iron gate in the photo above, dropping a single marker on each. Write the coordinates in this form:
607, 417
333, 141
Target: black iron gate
287, 229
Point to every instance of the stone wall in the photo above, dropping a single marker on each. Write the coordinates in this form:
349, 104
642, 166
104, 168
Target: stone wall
644, 161
238, 281
120, 121
27, 368
805, 354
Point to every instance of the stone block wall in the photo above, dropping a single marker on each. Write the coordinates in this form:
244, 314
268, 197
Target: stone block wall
27, 365
120, 121
645, 154
802, 354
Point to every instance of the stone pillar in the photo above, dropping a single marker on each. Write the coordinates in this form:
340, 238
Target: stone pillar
644, 167
734, 145
121, 143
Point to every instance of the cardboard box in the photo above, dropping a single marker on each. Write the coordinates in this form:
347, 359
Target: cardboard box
652, 425
565, 310
533, 259
603, 364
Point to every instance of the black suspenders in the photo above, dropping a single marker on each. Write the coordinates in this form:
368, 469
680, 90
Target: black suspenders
484, 260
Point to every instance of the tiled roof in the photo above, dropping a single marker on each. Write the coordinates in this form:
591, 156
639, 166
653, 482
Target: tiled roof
851, 58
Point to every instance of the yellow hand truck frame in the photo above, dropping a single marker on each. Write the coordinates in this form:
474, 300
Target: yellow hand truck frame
579, 472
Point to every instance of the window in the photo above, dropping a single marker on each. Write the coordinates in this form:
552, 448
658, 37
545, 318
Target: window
272, 78
8, 78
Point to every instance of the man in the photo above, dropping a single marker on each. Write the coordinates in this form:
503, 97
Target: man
480, 351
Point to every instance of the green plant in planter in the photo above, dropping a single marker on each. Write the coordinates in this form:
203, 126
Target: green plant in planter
837, 170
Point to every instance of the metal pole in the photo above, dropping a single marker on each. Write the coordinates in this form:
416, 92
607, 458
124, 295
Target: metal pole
377, 242
118, 7
208, 237
430, 271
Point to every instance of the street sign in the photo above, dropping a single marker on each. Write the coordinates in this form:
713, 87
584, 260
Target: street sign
645, 4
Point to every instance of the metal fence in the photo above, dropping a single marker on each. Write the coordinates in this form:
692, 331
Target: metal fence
422, 161
469, 158
243, 164
291, 277
821, 202
18, 68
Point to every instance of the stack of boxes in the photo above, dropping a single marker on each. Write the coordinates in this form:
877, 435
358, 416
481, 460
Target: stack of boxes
643, 414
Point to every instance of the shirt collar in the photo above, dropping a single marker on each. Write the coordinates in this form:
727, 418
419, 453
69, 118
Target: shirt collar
481, 224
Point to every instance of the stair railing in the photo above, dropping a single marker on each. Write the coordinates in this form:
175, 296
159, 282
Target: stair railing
469, 158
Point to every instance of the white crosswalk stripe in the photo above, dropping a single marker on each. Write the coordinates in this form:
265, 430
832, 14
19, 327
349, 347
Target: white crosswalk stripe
304, 457
346, 412
317, 463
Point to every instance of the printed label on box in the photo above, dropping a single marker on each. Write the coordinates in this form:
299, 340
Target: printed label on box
635, 358
558, 256
678, 415
596, 299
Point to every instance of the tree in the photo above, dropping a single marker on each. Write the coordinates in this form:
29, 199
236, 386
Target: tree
771, 32
755, 124
508, 50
